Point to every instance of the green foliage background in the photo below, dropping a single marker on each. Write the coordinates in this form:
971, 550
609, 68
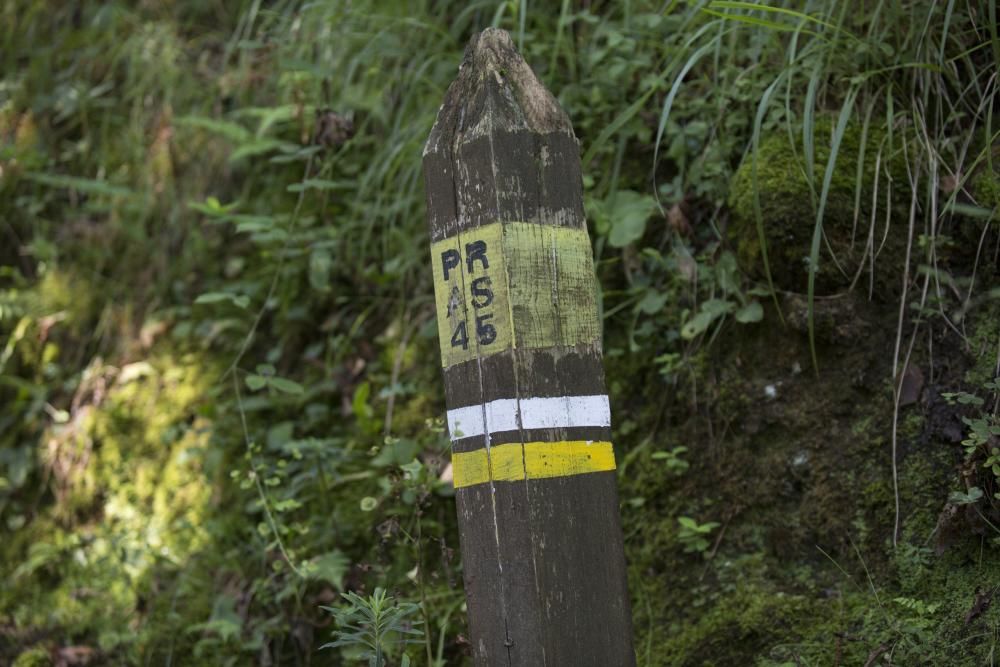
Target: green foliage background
219, 391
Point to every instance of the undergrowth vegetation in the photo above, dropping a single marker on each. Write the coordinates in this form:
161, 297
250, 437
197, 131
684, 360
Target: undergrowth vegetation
220, 397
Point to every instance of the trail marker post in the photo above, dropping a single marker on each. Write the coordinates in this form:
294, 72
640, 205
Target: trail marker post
528, 413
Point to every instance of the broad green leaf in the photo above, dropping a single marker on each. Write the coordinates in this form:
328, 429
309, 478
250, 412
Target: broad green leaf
972, 496
359, 404
718, 307
727, 273
212, 207
320, 264
411, 470
214, 297
628, 212
752, 312
696, 325
653, 302
396, 452
321, 184
255, 382
239, 300
286, 386
85, 185
231, 131
258, 147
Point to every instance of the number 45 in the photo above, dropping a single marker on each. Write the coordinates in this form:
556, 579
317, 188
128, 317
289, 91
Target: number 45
486, 333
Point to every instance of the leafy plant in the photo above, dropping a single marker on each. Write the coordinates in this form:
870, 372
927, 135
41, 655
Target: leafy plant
972, 496
982, 441
377, 624
693, 535
672, 459
911, 622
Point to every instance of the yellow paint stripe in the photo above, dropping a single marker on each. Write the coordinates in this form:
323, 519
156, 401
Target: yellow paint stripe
536, 460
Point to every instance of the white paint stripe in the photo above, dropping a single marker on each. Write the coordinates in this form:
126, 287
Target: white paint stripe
554, 412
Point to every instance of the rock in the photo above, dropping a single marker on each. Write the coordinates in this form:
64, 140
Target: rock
788, 212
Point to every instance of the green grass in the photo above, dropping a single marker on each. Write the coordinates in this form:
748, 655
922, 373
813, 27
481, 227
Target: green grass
219, 396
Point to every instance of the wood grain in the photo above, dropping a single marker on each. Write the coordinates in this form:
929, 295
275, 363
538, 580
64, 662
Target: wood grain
543, 558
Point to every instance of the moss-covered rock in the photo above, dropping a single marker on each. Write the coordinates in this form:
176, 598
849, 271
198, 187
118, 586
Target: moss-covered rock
789, 202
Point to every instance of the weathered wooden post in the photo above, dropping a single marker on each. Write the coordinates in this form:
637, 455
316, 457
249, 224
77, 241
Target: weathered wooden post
528, 415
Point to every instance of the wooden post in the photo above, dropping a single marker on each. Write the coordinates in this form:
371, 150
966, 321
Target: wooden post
528, 413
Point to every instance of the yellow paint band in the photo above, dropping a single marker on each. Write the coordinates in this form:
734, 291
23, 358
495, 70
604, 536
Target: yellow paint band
532, 460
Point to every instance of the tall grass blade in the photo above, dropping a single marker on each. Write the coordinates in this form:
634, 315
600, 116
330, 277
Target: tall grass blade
522, 15
838, 135
809, 131
757, 211
784, 11
761, 23
668, 103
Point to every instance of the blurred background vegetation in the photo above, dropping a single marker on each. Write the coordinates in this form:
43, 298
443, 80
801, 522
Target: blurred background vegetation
220, 396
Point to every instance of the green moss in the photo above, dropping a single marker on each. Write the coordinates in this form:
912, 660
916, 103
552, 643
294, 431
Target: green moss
745, 622
986, 189
132, 479
33, 657
788, 208
984, 340
984, 184
833, 617
803, 484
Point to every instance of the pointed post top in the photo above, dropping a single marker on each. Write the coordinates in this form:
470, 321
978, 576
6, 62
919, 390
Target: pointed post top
501, 147
496, 90
491, 55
